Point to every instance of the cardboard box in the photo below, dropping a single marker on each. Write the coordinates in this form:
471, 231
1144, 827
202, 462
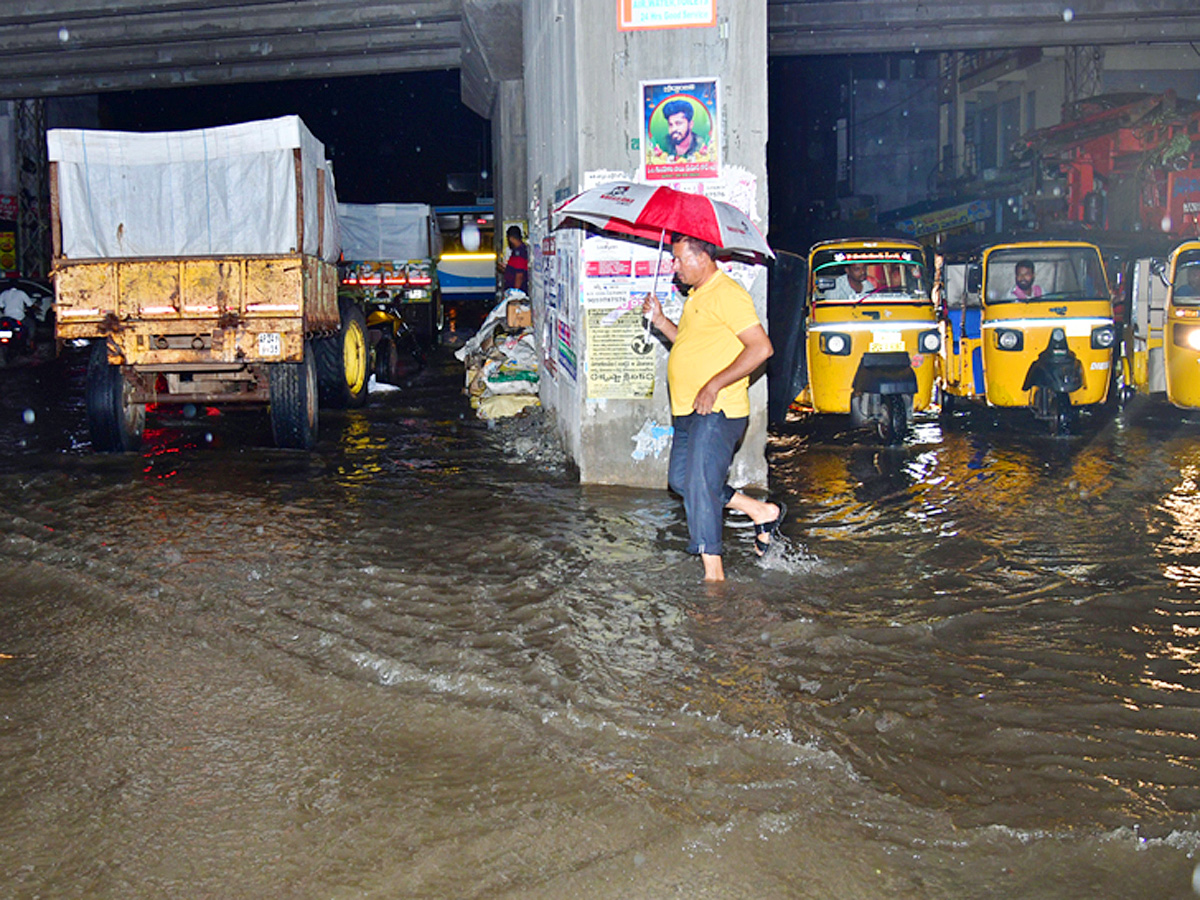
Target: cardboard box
519, 314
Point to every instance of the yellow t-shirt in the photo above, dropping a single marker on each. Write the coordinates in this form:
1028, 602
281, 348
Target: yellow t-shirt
714, 314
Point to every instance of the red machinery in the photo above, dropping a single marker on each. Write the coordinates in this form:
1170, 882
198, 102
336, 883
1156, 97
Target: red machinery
1130, 162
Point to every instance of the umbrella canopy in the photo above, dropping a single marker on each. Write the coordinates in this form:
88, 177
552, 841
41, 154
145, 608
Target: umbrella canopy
646, 211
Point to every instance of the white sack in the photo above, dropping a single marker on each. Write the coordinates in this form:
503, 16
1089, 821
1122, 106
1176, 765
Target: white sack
388, 231
209, 191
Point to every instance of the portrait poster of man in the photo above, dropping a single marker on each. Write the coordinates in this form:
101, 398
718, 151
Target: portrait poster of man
680, 129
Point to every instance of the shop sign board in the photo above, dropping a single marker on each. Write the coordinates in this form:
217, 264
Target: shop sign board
643, 15
681, 129
946, 219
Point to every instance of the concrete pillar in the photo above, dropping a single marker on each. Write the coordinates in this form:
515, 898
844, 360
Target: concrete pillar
509, 161
584, 118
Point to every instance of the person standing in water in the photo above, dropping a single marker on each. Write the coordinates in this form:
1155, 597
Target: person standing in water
715, 347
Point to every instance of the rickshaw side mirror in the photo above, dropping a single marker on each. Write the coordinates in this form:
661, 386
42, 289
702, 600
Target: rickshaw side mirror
974, 278
1159, 268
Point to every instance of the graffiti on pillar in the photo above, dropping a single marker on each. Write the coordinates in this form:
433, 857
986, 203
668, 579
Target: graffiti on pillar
681, 129
652, 440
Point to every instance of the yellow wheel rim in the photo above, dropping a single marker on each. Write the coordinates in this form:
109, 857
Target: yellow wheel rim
354, 353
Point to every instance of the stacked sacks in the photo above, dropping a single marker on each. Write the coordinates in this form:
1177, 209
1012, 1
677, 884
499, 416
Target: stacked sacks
502, 360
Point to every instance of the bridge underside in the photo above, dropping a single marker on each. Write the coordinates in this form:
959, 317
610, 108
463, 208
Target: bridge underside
64, 47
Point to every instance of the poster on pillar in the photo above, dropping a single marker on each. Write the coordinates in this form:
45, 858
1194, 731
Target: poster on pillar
616, 277
681, 129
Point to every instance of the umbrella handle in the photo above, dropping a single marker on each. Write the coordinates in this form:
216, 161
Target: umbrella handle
654, 290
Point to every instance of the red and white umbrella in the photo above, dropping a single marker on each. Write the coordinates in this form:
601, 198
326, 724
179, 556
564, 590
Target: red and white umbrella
646, 211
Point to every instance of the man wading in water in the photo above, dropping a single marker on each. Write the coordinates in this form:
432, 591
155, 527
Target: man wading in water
717, 344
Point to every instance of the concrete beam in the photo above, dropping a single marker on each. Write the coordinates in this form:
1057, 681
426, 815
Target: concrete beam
875, 26
127, 44
491, 50
234, 73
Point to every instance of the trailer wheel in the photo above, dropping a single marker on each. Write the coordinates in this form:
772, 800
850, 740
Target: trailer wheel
293, 403
426, 319
114, 423
385, 356
342, 360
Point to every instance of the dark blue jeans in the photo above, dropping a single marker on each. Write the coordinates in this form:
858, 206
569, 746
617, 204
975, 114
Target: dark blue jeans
701, 452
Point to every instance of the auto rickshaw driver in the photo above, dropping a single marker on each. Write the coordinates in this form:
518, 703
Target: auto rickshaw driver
852, 284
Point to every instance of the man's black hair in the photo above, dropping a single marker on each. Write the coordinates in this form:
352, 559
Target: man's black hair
1024, 264
675, 107
514, 231
696, 244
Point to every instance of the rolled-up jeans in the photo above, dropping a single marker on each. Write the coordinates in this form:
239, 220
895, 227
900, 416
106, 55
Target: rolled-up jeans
701, 451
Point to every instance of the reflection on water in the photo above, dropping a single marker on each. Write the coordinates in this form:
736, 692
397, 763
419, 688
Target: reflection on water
424, 661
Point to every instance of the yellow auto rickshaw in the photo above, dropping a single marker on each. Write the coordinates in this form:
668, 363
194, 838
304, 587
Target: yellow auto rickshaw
1182, 338
1139, 311
872, 333
1029, 324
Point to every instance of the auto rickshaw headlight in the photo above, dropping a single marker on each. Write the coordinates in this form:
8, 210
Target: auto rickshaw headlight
1103, 337
930, 342
1193, 338
836, 344
1007, 339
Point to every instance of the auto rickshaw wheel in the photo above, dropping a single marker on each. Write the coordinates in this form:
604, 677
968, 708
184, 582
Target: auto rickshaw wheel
892, 423
1060, 413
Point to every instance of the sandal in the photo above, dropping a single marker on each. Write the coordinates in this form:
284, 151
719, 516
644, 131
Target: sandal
768, 529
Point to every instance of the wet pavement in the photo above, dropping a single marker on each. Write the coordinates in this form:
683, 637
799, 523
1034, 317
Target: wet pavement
423, 661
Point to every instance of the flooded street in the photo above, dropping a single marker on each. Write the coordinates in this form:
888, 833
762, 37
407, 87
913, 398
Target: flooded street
423, 661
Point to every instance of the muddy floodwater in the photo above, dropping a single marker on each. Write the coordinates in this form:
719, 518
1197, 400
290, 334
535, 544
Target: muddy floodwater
424, 662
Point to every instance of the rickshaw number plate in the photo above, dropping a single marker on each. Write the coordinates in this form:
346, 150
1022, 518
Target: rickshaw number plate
886, 342
270, 344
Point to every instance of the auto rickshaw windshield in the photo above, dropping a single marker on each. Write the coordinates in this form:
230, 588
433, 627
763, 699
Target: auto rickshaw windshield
1187, 279
1044, 273
881, 275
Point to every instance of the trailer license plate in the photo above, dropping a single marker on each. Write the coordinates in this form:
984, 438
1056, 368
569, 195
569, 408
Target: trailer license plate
5, 334
270, 344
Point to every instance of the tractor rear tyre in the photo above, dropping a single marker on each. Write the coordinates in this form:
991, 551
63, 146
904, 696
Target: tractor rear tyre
342, 360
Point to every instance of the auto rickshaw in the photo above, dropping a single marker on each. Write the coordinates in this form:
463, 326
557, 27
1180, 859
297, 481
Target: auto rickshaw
1029, 324
1144, 296
1182, 338
872, 333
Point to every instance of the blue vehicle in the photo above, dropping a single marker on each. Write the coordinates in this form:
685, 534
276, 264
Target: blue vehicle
467, 265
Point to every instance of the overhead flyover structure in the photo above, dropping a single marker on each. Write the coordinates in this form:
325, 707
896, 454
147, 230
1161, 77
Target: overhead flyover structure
64, 47
827, 27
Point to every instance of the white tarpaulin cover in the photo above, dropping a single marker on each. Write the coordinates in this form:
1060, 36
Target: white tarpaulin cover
191, 193
388, 231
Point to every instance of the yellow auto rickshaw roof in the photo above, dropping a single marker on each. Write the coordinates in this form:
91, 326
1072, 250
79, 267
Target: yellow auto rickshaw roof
1189, 244
859, 244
